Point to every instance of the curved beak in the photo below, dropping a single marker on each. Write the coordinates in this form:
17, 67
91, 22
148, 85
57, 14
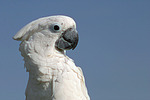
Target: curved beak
68, 40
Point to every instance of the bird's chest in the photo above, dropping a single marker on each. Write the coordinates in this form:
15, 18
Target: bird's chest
66, 85
56, 79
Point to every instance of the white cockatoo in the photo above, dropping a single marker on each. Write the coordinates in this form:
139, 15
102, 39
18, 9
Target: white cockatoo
52, 74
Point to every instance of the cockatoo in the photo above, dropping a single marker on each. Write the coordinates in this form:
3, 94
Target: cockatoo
52, 74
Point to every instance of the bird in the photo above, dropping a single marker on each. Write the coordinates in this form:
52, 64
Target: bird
52, 74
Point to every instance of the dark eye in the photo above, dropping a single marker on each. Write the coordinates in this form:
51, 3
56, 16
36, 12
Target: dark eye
56, 27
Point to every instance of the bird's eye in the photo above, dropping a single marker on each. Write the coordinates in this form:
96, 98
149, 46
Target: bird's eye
56, 27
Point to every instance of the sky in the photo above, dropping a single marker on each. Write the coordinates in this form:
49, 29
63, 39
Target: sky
113, 49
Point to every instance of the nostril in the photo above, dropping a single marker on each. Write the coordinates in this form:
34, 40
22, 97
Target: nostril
70, 28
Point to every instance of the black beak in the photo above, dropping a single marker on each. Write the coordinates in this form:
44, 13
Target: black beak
68, 40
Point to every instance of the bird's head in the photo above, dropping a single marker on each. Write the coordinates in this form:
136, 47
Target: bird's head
57, 32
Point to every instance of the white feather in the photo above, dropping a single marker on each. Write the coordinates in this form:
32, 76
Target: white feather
52, 75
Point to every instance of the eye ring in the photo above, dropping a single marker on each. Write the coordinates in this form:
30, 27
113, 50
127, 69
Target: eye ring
55, 27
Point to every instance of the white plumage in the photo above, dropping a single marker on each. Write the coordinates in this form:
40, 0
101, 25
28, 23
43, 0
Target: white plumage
52, 75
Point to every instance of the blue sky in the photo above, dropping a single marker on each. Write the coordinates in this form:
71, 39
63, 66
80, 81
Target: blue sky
113, 50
